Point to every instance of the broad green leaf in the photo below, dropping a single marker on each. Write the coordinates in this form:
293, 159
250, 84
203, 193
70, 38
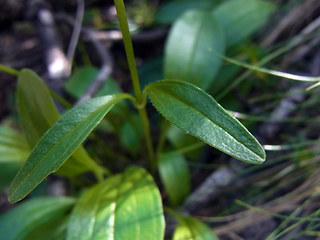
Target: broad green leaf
27, 217
187, 53
59, 142
169, 12
125, 206
174, 173
38, 113
198, 114
241, 18
192, 229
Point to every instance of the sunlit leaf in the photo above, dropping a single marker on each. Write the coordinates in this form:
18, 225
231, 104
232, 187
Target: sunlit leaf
174, 173
59, 142
192, 229
187, 53
241, 18
125, 206
197, 113
27, 217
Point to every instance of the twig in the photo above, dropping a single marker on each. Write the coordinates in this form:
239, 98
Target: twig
75, 33
293, 19
105, 70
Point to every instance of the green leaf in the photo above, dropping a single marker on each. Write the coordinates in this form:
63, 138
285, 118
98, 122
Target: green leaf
52, 230
192, 229
13, 146
169, 12
125, 206
187, 53
36, 108
174, 173
181, 140
59, 142
38, 113
131, 133
241, 18
14, 151
27, 217
197, 113
81, 80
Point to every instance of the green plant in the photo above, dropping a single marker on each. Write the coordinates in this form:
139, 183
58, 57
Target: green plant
126, 205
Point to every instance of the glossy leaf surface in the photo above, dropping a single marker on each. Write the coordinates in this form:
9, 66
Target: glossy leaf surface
241, 18
59, 142
27, 217
38, 113
125, 206
197, 113
174, 173
192, 229
187, 53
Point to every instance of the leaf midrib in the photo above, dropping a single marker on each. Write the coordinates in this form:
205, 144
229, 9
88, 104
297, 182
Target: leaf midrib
50, 149
201, 113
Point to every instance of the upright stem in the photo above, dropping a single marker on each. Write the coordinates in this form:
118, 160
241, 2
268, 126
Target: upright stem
121, 12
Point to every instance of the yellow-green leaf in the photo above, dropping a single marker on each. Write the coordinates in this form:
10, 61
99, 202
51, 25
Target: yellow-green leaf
125, 206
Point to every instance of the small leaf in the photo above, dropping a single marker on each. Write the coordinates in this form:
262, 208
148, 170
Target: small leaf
125, 206
192, 229
174, 173
187, 53
197, 113
59, 142
27, 217
241, 18
170, 11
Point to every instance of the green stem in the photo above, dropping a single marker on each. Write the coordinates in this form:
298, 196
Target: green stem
121, 12
9, 70
140, 98
146, 130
